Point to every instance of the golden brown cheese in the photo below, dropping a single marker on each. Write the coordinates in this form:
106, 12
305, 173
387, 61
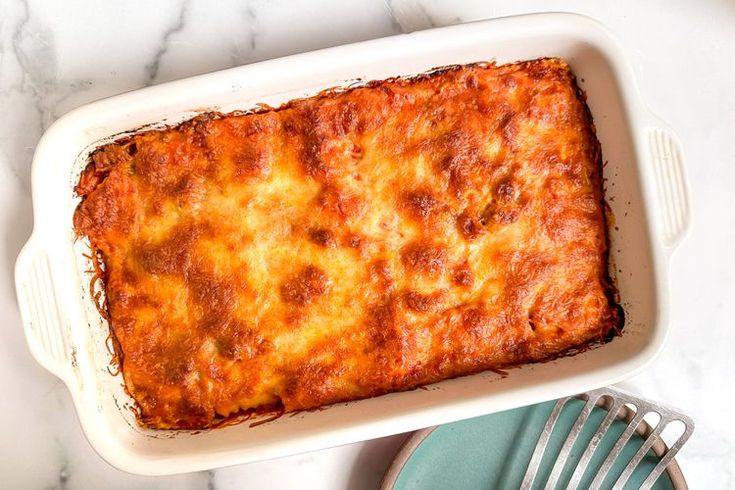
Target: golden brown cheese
352, 244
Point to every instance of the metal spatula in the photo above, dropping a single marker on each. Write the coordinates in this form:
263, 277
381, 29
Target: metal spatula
620, 405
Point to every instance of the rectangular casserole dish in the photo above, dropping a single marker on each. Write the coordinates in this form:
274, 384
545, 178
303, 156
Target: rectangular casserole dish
644, 184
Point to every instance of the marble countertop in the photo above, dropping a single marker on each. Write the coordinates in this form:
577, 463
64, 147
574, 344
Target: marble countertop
55, 56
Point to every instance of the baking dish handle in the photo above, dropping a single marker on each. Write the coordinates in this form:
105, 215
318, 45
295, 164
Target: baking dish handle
672, 188
39, 310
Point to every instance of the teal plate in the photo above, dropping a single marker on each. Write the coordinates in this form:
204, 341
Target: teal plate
492, 452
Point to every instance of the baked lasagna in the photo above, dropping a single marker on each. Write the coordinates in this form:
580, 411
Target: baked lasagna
351, 244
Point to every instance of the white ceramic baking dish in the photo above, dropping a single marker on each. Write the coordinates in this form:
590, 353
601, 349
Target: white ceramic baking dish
645, 187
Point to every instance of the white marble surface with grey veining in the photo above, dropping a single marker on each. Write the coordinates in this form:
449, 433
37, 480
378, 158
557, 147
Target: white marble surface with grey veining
55, 56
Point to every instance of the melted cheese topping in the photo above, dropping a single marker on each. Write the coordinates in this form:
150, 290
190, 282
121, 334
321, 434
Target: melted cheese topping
352, 244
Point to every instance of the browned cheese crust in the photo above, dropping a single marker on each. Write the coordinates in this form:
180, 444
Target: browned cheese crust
352, 244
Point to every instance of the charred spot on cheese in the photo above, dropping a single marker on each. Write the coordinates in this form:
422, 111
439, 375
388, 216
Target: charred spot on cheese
509, 129
347, 118
175, 360
310, 377
305, 287
311, 160
381, 322
380, 274
469, 226
505, 191
171, 255
198, 133
462, 275
462, 158
321, 132
197, 410
423, 302
252, 161
524, 271
240, 342
517, 347
471, 81
506, 205
351, 244
163, 166
354, 240
177, 366
424, 257
356, 151
502, 216
322, 236
256, 124
419, 203
340, 203
215, 296
477, 321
